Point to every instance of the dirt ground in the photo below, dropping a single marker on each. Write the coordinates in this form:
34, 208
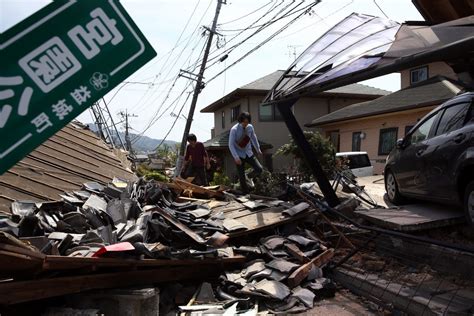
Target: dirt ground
343, 304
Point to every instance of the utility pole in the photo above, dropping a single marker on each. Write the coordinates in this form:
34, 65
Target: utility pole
197, 89
128, 143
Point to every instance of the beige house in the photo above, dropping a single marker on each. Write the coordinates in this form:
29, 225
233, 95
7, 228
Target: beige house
375, 126
269, 126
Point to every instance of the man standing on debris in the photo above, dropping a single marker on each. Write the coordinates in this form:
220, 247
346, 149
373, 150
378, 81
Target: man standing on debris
242, 137
196, 161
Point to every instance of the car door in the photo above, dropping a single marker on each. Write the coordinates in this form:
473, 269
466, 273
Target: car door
407, 169
443, 150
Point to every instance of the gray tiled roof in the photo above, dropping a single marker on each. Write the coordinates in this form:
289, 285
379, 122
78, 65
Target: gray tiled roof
264, 84
222, 141
267, 82
431, 92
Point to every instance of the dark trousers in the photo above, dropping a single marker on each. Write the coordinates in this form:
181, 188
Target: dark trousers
257, 170
199, 174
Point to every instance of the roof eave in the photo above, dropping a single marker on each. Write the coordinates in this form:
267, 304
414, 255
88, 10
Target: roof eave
408, 107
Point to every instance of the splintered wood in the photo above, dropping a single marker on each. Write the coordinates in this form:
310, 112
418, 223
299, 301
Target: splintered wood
192, 190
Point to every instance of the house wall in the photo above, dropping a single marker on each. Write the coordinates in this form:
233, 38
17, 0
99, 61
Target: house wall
276, 132
434, 69
371, 127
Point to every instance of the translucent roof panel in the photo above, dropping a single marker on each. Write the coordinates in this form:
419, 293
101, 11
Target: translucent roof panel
356, 36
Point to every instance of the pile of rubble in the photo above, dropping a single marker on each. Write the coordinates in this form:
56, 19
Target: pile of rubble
281, 277
153, 221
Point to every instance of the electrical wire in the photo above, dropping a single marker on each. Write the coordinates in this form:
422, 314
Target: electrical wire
165, 64
230, 49
246, 15
157, 116
174, 122
319, 21
381, 9
174, 47
262, 43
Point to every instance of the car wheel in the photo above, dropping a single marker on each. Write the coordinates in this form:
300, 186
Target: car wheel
469, 203
391, 187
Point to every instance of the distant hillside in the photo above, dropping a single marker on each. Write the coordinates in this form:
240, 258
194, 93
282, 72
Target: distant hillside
143, 144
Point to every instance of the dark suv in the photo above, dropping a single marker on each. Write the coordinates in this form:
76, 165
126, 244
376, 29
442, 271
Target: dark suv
435, 160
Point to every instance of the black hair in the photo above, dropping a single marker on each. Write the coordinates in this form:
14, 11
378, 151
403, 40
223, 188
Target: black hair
191, 137
243, 116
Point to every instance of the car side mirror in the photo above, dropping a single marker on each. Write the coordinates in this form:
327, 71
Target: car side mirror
401, 143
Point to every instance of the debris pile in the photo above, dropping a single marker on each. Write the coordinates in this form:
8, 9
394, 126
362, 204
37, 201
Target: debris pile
145, 224
284, 275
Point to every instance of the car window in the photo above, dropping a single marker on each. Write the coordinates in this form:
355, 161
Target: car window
453, 118
423, 131
358, 161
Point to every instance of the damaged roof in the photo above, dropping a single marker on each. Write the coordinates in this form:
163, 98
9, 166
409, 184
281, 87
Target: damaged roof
68, 159
433, 91
264, 84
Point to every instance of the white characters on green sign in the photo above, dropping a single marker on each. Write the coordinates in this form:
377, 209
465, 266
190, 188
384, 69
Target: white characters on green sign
97, 32
41, 122
62, 109
8, 93
81, 94
50, 64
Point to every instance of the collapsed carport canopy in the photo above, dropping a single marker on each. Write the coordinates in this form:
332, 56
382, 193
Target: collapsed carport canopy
361, 47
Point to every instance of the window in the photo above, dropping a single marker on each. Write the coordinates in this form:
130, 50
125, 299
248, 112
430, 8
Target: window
268, 113
387, 140
358, 161
334, 138
223, 119
418, 74
356, 138
407, 129
234, 114
453, 118
423, 131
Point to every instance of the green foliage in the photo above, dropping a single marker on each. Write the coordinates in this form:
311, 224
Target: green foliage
144, 171
155, 175
220, 179
321, 146
168, 152
269, 184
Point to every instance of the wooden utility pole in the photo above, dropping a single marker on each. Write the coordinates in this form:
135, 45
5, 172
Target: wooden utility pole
199, 86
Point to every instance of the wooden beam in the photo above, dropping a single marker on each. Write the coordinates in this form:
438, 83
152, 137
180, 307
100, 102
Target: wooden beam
302, 272
18, 292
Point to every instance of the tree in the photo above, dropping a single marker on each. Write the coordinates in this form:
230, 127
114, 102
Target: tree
322, 147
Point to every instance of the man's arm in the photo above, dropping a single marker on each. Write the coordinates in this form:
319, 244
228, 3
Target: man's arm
232, 144
254, 140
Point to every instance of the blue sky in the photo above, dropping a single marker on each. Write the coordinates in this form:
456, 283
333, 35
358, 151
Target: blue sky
162, 22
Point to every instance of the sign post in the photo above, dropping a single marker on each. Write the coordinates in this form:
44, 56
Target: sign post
57, 63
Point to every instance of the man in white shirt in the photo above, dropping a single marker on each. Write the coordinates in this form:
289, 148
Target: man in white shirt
241, 139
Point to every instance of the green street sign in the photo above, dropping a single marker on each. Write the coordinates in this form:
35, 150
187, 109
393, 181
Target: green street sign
57, 63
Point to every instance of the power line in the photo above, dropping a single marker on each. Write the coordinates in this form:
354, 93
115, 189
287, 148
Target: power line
263, 42
164, 66
246, 15
228, 50
319, 21
380, 9
174, 122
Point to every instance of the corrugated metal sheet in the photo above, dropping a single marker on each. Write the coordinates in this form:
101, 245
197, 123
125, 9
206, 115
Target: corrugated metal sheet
70, 158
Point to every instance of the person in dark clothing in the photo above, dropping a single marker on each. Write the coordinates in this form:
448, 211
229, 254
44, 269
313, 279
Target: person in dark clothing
196, 161
241, 139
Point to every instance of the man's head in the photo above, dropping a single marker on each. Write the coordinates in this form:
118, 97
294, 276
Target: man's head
244, 118
192, 139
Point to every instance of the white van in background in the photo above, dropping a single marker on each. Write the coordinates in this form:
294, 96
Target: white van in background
359, 163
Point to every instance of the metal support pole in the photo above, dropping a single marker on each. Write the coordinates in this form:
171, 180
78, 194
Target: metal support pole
308, 153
